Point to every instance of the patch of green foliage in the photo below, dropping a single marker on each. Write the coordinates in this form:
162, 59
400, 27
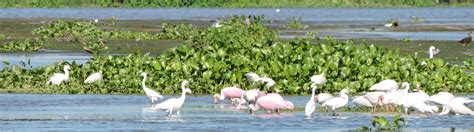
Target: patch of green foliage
2, 36
24, 45
381, 123
94, 38
295, 23
214, 58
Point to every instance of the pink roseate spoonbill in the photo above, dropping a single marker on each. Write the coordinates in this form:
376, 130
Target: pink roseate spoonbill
442, 98
385, 85
311, 104
433, 51
318, 79
229, 92
375, 98
465, 41
58, 78
289, 105
361, 101
153, 95
175, 103
269, 103
94, 77
337, 102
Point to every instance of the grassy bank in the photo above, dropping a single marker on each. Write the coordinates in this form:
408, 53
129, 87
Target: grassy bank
233, 3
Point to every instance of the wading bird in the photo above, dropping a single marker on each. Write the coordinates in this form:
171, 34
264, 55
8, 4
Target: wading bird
94, 77
385, 85
465, 41
433, 51
229, 92
458, 106
175, 103
392, 24
270, 102
337, 102
311, 104
58, 78
253, 77
153, 95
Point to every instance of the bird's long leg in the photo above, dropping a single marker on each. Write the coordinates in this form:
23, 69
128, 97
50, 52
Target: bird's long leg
170, 112
177, 112
278, 111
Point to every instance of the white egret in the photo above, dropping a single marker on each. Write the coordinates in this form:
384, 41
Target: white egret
58, 78
311, 104
153, 95
94, 77
433, 51
175, 103
337, 102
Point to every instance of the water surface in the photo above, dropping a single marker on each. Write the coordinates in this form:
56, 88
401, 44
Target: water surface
132, 112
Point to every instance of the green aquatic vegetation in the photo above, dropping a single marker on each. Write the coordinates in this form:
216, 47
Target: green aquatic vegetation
24, 45
94, 38
214, 58
381, 123
2, 36
295, 23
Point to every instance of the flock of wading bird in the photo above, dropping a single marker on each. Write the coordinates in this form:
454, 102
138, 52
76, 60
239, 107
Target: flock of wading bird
386, 94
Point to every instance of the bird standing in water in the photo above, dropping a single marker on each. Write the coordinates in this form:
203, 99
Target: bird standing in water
465, 41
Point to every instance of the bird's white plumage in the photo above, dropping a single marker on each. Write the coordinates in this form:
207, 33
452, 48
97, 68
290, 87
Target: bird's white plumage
153, 95
433, 51
58, 78
337, 102
361, 101
253, 77
441, 98
385, 85
323, 97
94, 77
311, 104
318, 79
175, 103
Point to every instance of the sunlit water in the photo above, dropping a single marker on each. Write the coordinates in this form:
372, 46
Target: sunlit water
133, 112
454, 15
36, 59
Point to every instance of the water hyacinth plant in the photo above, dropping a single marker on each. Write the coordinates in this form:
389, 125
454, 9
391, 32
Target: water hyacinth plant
24, 45
214, 58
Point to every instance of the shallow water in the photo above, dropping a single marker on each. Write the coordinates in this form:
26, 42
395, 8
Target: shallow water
132, 112
454, 15
43, 58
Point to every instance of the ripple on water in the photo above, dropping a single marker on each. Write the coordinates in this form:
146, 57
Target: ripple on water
133, 112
